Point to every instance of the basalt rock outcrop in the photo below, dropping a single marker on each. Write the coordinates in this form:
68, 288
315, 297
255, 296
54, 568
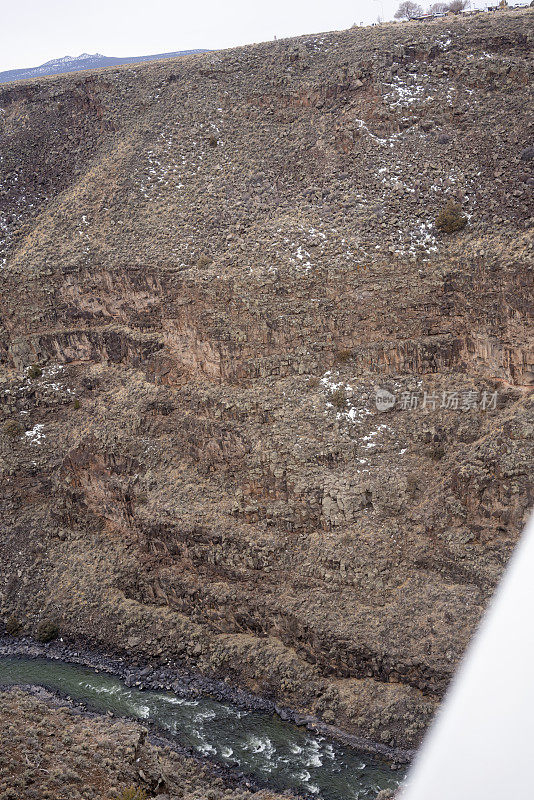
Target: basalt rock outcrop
212, 270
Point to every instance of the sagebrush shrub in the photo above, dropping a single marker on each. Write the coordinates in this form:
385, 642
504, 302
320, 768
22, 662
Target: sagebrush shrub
13, 625
450, 218
133, 793
342, 356
46, 631
338, 398
12, 428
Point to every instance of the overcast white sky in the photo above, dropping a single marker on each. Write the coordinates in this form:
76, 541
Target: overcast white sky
34, 31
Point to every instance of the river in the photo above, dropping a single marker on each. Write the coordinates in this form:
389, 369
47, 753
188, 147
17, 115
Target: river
260, 745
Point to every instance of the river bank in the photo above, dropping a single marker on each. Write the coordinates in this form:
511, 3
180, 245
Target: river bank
54, 750
55, 700
254, 749
173, 678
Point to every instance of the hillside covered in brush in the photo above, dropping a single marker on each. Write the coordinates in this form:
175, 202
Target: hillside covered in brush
209, 267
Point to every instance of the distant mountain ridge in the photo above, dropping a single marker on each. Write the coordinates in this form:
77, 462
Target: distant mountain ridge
82, 62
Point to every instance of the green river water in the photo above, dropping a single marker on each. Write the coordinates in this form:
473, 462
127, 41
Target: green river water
261, 745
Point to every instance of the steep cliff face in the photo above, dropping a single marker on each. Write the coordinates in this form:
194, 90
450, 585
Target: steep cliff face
216, 262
